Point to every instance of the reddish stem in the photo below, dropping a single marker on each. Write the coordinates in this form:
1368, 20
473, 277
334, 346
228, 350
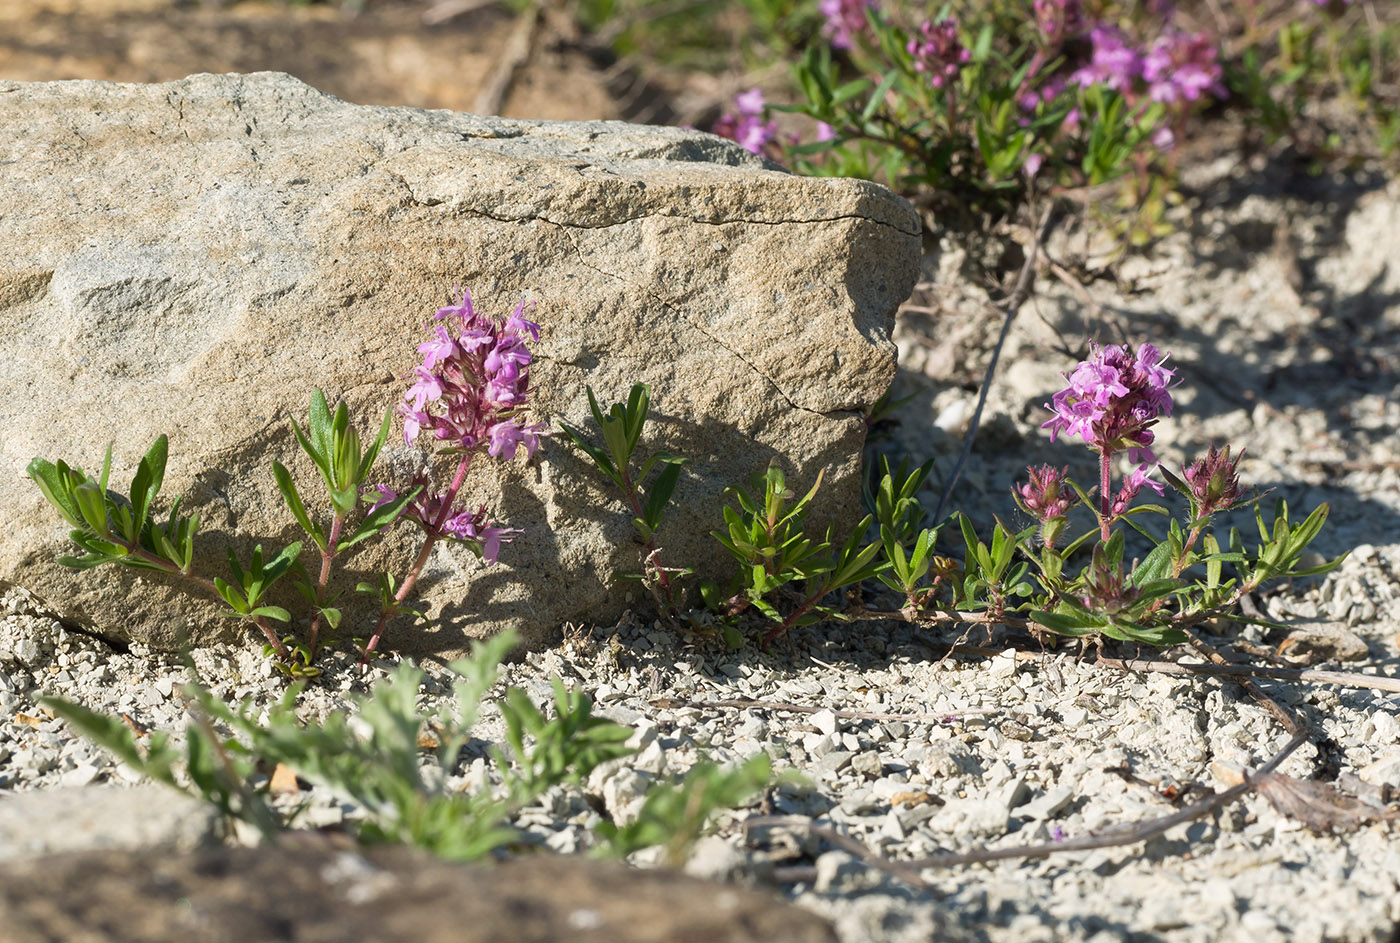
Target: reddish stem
422, 560
327, 556
1105, 497
664, 581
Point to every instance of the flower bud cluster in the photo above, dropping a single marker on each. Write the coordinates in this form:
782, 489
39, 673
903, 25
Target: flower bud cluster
938, 51
1214, 481
1046, 498
427, 511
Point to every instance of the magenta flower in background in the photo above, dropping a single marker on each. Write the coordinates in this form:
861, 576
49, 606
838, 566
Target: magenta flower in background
1182, 67
845, 19
1113, 63
938, 52
1059, 19
747, 127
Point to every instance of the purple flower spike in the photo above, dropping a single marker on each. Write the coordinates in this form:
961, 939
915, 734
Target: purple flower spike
1114, 63
467, 381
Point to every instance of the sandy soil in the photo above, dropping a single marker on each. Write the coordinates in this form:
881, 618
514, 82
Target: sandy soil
385, 55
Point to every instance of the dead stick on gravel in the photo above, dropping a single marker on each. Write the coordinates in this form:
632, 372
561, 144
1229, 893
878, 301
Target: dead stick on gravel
672, 703
1019, 294
1116, 836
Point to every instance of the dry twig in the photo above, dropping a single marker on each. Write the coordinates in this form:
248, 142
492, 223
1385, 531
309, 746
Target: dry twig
515, 54
675, 703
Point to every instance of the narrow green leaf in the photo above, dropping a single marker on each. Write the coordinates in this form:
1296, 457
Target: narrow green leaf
661, 491
367, 461
292, 498
92, 505
106, 470
1062, 624
320, 426
877, 97
55, 489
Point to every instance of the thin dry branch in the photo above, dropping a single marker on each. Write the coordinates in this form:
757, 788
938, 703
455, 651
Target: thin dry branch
1009, 307
675, 703
515, 54
1115, 836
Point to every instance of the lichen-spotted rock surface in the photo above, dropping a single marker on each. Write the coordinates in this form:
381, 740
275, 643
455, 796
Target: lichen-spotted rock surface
195, 257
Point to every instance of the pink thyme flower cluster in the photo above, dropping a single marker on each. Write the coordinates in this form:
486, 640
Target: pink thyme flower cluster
472, 382
748, 127
845, 19
427, 509
1182, 67
1112, 401
1179, 67
938, 51
1114, 63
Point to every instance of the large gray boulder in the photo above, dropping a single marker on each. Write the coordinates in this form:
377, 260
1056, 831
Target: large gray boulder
316, 889
194, 258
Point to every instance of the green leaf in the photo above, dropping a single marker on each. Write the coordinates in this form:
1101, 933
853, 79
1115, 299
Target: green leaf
1155, 566
599, 456
321, 426
1062, 624
877, 97
292, 498
114, 736
231, 596
92, 504
661, 491
53, 483
372, 453
280, 563
272, 612
150, 474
